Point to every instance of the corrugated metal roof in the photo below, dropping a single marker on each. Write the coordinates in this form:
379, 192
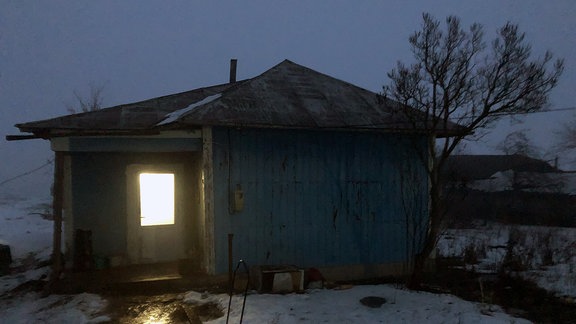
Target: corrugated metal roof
288, 96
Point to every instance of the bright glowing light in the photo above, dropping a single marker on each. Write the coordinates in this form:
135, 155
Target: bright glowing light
156, 199
153, 320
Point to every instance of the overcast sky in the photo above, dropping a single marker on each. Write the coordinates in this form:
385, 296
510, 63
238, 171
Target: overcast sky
143, 49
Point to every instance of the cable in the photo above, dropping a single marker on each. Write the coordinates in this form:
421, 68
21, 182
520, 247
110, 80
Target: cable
527, 112
28, 172
405, 124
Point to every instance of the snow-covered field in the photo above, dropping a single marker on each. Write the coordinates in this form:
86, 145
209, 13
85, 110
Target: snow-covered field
23, 227
543, 255
28, 233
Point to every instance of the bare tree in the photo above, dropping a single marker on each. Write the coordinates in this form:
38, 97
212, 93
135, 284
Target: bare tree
93, 101
459, 86
518, 142
567, 135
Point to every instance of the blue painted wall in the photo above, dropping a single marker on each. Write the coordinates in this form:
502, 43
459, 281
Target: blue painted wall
314, 198
99, 198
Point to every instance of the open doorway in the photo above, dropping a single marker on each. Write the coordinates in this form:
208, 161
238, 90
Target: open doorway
156, 199
155, 222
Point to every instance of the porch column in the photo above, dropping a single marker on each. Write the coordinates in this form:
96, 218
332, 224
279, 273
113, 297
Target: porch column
57, 204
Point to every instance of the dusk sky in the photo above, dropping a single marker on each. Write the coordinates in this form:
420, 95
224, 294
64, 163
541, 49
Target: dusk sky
141, 49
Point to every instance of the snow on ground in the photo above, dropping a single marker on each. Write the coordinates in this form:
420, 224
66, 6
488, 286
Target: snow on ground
343, 306
22, 222
24, 227
29, 235
543, 255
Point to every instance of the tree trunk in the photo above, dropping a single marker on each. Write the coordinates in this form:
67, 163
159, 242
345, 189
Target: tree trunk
419, 266
435, 215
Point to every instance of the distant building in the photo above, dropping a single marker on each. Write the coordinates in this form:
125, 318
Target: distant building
501, 173
509, 188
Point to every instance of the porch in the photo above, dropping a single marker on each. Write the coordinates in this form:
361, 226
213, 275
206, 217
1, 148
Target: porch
145, 279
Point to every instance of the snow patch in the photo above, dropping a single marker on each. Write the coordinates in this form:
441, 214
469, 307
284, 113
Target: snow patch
196, 298
343, 306
543, 255
175, 115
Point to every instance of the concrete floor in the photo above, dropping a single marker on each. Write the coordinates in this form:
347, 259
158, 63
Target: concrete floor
148, 279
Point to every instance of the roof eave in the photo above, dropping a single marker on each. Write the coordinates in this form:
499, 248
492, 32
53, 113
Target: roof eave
366, 128
53, 133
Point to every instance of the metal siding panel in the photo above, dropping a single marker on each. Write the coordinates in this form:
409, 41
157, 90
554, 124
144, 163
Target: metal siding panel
98, 189
313, 198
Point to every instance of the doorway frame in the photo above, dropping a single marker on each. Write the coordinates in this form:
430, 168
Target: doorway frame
134, 229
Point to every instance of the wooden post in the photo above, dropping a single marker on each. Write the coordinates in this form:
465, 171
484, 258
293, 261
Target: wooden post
208, 199
57, 204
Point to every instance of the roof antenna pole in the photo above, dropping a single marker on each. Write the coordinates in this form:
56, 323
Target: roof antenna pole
233, 63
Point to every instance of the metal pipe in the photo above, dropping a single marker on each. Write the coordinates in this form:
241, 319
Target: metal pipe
233, 63
241, 262
230, 259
